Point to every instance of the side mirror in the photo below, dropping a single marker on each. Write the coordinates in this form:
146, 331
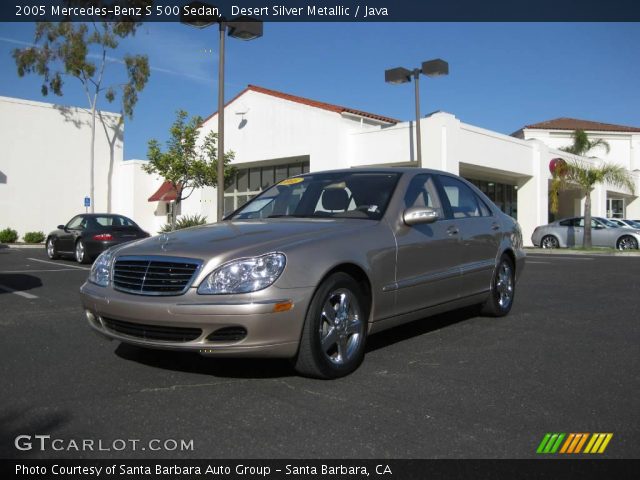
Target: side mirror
419, 215
60, 227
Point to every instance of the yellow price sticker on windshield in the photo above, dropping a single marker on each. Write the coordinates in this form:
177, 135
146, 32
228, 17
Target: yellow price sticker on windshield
291, 181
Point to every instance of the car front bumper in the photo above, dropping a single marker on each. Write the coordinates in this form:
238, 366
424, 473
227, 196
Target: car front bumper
269, 333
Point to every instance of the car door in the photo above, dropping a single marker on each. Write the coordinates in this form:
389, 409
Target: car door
603, 236
427, 269
566, 231
479, 233
67, 239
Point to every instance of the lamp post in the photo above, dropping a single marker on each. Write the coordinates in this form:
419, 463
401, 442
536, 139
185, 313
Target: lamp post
243, 28
431, 68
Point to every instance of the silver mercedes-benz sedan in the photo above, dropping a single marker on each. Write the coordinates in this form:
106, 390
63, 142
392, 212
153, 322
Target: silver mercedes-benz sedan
569, 232
310, 267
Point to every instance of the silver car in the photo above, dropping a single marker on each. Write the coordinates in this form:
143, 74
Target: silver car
569, 232
310, 267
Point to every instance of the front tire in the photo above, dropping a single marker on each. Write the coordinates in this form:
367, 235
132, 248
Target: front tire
81, 253
52, 253
503, 289
335, 328
549, 241
627, 243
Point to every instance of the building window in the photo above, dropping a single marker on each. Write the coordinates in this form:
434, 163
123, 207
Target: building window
505, 196
249, 182
615, 208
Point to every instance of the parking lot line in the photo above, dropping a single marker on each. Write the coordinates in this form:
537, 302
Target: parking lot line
22, 294
548, 257
39, 271
57, 264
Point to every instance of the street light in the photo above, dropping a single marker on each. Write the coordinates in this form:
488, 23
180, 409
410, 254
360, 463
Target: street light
431, 68
243, 28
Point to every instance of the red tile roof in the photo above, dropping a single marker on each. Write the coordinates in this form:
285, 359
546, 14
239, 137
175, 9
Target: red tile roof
565, 123
312, 103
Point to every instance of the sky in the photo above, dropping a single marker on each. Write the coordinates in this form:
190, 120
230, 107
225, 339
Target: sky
502, 75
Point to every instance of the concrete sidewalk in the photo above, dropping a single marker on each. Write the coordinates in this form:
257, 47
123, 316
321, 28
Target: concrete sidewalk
604, 252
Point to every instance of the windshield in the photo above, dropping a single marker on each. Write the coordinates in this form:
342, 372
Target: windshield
334, 195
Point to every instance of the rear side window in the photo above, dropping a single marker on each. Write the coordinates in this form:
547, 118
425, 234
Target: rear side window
463, 201
113, 221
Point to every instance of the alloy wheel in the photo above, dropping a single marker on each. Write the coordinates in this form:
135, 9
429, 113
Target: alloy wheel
627, 243
80, 252
504, 285
341, 327
51, 249
550, 242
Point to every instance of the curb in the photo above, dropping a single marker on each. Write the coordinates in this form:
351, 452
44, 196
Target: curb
25, 245
566, 251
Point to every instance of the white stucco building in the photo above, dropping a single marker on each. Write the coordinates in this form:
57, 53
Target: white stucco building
276, 135
44, 164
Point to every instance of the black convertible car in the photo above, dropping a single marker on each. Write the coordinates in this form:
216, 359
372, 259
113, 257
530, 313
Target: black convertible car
87, 235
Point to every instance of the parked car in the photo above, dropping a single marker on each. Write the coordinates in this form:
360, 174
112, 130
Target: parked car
569, 232
87, 235
629, 223
310, 267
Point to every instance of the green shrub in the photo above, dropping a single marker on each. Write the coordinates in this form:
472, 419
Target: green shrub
8, 235
34, 237
185, 222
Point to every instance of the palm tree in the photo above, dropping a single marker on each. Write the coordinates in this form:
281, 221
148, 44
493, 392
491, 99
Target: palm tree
582, 145
586, 176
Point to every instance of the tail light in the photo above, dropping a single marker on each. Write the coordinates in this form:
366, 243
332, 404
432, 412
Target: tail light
103, 237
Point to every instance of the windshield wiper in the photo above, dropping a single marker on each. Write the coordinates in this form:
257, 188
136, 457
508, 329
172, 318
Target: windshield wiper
280, 215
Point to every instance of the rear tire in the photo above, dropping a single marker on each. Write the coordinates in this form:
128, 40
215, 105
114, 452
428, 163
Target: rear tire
503, 289
81, 253
52, 253
627, 243
335, 328
549, 241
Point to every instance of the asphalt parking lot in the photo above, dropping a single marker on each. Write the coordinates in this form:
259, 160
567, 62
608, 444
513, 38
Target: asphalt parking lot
453, 386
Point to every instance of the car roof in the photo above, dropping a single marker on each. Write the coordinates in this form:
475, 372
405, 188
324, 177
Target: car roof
91, 215
379, 170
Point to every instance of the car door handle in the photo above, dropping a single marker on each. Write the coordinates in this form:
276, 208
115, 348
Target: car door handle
495, 226
451, 231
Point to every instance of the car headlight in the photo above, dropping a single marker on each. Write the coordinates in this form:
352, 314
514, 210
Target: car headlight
244, 275
101, 269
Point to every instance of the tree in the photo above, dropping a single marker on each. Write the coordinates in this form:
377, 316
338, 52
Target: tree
187, 163
582, 145
66, 49
586, 176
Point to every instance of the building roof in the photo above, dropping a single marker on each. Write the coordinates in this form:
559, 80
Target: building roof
311, 103
566, 123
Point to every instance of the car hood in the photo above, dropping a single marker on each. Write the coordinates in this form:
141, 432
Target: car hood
242, 238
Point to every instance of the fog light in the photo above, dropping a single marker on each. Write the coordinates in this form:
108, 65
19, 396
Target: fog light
90, 316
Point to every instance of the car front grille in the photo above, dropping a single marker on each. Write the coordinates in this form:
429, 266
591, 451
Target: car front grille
154, 275
152, 332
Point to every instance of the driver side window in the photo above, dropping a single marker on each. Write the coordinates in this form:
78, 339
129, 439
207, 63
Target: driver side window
76, 223
422, 192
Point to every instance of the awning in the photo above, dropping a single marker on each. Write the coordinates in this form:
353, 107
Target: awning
166, 193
